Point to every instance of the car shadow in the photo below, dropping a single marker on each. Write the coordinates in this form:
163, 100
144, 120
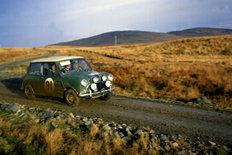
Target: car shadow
14, 85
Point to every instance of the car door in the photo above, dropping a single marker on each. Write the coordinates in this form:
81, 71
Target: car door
51, 80
34, 76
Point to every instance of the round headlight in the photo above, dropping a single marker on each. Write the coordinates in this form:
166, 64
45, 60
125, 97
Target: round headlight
94, 87
104, 78
108, 84
110, 77
84, 82
95, 79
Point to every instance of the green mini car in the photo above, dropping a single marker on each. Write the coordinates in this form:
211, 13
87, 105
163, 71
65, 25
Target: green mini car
68, 77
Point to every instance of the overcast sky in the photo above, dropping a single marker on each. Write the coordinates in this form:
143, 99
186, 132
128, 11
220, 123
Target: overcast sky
33, 23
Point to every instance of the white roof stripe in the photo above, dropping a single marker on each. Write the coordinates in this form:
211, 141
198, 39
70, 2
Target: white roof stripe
55, 59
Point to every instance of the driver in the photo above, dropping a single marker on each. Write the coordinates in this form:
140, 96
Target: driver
53, 70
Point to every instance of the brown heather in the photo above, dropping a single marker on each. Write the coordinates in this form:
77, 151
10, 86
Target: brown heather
27, 137
182, 69
7, 54
93, 130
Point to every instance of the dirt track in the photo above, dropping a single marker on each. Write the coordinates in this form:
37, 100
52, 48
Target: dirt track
163, 118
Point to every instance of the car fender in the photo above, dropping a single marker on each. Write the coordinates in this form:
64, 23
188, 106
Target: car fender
68, 86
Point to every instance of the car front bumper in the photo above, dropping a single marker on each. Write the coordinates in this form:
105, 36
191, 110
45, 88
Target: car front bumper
92, 94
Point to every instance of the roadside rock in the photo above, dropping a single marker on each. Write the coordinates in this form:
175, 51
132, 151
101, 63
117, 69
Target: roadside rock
138, 132
106, 130
53, 125
201, 101
71, 115
163, 137
48, 114
211, 143
89, 123
84, 119
128, 131
12, 108
175, 144
106, 127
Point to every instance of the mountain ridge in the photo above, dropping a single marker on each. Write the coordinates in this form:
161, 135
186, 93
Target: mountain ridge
130, 36
201, 31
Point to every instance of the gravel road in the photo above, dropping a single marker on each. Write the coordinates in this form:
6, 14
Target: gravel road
162, 117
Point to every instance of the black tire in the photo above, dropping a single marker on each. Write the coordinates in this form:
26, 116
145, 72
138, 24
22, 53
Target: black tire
29, 92
71, 97
106, 97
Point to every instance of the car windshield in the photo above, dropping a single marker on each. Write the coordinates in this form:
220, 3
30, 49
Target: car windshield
74, 65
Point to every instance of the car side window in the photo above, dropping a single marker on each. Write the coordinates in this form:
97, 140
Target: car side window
35, 69
49, 69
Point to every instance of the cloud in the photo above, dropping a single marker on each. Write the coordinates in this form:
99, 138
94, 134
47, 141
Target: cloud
114, 4
106, 16
36, 23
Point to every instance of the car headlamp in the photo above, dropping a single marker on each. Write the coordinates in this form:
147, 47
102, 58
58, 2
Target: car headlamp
104, 78
84, 82
93, 87
95, 79
110, 77
108, 83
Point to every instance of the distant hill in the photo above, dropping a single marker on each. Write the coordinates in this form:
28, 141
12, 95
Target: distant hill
128, 37
200, 32
123, 37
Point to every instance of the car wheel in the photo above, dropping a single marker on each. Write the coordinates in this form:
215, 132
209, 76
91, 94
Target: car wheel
28, 91
71, 97
106, 96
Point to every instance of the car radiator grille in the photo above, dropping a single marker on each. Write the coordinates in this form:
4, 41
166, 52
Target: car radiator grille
100, 85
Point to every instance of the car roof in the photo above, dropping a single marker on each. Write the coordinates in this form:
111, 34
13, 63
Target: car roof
58, 58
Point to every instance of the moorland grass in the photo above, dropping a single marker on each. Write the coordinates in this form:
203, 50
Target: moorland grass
181, 69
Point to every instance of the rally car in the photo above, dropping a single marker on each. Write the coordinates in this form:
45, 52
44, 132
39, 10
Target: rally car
68, 77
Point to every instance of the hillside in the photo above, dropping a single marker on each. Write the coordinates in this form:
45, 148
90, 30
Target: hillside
123, 37
200, 32
128, 37
182, 69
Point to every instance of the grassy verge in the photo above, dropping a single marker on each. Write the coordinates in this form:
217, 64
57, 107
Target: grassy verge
27, 137
24, 133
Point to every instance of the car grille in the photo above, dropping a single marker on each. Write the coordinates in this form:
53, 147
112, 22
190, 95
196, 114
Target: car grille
100, 85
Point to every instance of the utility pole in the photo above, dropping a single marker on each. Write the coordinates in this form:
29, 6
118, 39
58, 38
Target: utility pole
115, 40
